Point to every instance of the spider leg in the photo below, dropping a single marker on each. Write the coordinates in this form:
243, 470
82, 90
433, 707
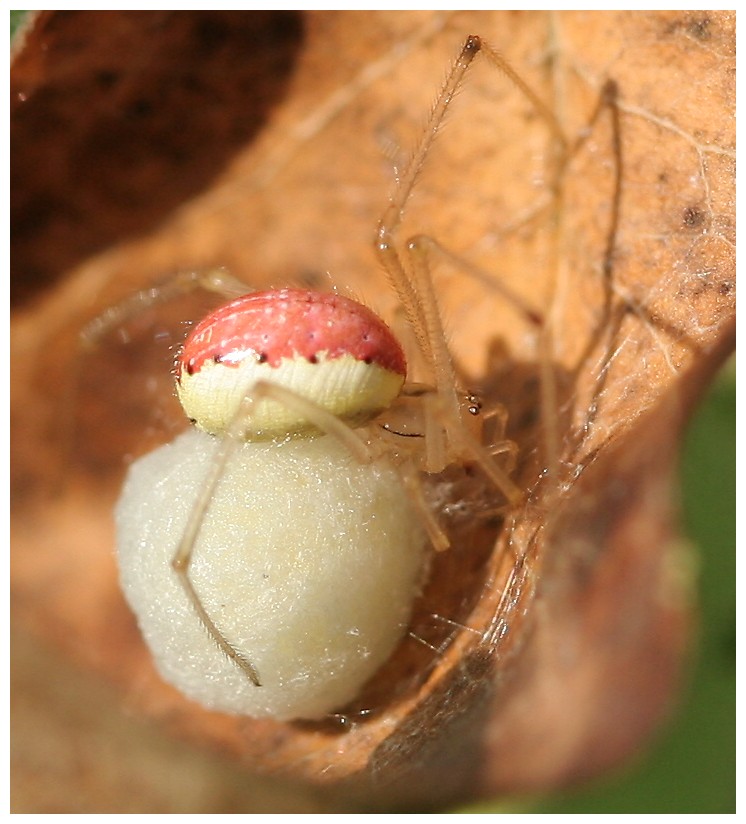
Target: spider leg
218, 281
231, 441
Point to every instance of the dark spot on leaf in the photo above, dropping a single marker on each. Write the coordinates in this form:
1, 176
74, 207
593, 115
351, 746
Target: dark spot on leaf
139, 108
695, 26
699, 28
106, 78
211, 33
693, 217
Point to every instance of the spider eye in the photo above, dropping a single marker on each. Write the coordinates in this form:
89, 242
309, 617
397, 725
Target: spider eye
473, 404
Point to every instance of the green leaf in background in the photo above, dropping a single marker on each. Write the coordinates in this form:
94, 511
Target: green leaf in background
691, 768
16, 19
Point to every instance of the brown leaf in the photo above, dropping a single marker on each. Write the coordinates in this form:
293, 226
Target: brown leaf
150, 142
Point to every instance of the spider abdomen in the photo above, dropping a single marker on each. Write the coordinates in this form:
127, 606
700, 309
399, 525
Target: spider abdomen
326, 348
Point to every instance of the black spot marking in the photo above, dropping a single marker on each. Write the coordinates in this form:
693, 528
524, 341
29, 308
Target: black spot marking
262, 357
388, 428
312, 359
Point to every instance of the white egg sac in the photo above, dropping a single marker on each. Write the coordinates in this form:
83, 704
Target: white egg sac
307, 561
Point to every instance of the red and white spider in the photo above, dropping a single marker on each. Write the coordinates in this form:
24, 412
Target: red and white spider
273, 552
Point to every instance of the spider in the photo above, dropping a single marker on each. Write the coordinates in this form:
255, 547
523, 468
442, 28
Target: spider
293, 515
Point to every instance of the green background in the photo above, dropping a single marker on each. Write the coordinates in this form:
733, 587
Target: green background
691, 767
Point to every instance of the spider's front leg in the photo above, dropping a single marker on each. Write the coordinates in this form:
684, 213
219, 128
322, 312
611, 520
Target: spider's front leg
449, 435
216, 281
244, 418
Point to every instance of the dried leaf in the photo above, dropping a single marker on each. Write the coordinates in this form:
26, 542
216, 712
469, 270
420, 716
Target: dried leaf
264, 143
